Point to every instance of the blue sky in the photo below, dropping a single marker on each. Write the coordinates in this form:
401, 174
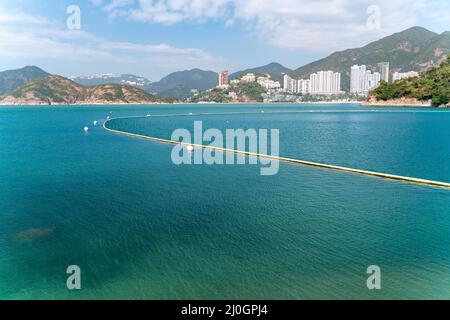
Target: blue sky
155, 37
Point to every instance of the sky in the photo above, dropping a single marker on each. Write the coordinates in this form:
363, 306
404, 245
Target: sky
153, 38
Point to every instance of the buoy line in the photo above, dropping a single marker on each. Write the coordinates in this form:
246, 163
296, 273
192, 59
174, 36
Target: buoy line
266, 156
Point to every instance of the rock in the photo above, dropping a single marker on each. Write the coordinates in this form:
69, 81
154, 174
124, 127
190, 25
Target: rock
33, 234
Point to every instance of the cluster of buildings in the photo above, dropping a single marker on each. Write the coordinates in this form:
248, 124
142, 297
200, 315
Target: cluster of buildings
363, 80
320, 83
264, 80
404, 75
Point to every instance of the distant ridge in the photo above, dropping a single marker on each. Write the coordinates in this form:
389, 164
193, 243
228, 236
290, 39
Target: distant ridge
415, 49
57, 90
178, 85
126, 79
11, 79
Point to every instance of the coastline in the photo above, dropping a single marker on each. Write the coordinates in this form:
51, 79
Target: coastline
173, 103
402, 102
83, 104
395, 105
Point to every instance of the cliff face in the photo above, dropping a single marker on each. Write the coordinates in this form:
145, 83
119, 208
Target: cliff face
57, 90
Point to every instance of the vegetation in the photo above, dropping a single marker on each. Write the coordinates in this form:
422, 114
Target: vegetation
248, 91
213, 95
10, 80
178, 85
415, 49
245, 92
50, 88
274, 69
432, 85
59, 90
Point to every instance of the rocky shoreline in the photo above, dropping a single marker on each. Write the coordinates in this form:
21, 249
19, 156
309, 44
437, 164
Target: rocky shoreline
401, 102
11, 103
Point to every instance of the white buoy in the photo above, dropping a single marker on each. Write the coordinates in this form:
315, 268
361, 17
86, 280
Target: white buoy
86, 129
95, 122
262, 111
108, 117
190, 113
149, 115
190, 148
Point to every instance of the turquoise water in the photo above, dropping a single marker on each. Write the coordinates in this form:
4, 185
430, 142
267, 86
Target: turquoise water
140, 227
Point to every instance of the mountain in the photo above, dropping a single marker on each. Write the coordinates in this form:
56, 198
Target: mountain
59, 90
11, 79
415, 49
129, 79
275, 70
179, 84
433, 85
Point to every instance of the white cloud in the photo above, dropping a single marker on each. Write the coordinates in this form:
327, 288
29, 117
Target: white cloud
313, 24
7, 17
44, 41
169, 12
96, 2
117, 4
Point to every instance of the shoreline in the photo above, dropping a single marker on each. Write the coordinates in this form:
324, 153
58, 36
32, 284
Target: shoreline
362, 104
84, 104
396, 105
399, 102
176, 103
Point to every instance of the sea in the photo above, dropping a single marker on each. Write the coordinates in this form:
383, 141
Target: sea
139, 226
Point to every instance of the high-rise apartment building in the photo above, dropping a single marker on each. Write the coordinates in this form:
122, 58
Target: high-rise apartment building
289, 84
384, 68
223, 78
363, 80
320, 83
303, 86
325, 82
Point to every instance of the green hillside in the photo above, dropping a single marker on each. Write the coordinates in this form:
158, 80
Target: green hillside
178, 85
59, 90
415, 49
432, 85
246, 92
11, 79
